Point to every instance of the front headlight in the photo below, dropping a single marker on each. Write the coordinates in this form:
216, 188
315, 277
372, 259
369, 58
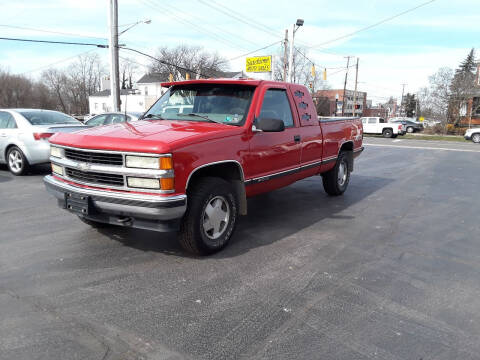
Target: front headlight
149, 162
56, 152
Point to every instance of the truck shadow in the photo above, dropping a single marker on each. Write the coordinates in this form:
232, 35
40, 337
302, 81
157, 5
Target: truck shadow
271, 217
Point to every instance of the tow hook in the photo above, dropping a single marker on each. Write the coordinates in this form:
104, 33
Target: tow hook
125, 220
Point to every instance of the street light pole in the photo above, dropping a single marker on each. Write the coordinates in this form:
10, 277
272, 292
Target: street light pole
114, 63
290, 61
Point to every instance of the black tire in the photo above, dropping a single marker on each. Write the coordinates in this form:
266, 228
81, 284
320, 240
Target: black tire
331, 181
94, 224
207, 191
387, 133
17, 162
410, 130
476, 138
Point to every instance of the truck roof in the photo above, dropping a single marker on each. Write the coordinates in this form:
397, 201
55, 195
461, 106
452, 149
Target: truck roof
251, 82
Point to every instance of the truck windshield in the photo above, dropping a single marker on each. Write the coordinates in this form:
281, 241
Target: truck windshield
226, 104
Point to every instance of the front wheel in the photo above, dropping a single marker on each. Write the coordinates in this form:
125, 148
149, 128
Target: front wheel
335, 181
410, 129
211, 216
16, 161
476, 138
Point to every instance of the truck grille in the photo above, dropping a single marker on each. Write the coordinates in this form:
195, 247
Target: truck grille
94, 157
94, 177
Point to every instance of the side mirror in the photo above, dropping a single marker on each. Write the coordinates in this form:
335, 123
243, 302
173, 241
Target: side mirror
270, 125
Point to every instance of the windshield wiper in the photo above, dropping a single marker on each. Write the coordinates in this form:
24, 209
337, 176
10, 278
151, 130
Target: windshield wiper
153, 117
203, 117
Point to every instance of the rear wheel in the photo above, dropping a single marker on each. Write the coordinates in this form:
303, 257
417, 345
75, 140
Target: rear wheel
210, 218
476, 138
410, 129
16, 161
335, 181
387, 133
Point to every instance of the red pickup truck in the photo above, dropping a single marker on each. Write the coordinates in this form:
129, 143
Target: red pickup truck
196, 156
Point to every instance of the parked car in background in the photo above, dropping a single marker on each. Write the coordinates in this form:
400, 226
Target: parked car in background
112, 118
24, 136
378, 125
430, 123
473, 134
410, 126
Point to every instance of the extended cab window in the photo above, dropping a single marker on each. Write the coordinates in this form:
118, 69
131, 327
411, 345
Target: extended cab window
276, 106
223, 103
372, 120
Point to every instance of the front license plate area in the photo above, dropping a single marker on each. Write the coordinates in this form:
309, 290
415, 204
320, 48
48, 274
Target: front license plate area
77, 203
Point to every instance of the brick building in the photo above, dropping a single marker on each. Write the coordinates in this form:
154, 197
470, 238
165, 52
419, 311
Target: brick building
472, 111
377, 111
335, 97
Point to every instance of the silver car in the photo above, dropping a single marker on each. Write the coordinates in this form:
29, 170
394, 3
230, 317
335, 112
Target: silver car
24, 136
112, 118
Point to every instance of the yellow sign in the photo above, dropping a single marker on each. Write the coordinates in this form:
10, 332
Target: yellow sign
421, 118
259, 64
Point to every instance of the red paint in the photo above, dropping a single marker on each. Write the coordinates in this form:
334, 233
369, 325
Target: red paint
193, 144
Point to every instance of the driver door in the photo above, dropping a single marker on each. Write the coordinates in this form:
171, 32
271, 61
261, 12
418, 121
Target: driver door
274, 157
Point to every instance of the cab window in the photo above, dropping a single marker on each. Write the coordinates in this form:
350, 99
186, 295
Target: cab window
276, 106
372, 120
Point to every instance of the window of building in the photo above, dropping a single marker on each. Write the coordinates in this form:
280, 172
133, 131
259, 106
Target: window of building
96, 106
146, 90
476, 106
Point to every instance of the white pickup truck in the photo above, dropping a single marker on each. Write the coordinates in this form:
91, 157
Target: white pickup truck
378, 125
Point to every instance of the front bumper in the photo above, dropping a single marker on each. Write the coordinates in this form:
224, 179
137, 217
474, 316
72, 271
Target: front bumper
468, 137
152, 212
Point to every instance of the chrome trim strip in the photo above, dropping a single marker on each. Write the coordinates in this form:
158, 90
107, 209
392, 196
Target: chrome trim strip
334, 119
112, 169
290, 171
114, 194
113, 151
242, 174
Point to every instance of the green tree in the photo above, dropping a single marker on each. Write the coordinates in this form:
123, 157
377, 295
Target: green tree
462, 88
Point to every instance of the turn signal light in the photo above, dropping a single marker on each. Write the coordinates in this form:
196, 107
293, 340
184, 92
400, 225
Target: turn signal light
166, 163
40, 136
167, 183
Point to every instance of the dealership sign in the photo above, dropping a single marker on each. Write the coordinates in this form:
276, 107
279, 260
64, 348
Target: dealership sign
259, 64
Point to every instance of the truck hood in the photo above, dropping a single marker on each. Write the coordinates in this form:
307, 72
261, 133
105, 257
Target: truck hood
149, 136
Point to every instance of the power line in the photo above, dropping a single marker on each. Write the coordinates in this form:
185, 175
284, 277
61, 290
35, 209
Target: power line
251, 52
375, 24
54, 42
241, 18
51, 31
164, 62
57, 62
172, 13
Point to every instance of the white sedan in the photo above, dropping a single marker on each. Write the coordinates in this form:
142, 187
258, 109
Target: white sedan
24, 136
473, 134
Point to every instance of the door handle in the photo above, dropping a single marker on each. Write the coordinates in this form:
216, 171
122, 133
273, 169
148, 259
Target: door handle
296, 138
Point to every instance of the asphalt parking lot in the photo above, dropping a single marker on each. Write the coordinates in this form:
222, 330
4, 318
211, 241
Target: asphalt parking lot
390, 270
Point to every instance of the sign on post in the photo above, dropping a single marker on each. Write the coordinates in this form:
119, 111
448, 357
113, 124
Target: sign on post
259, 64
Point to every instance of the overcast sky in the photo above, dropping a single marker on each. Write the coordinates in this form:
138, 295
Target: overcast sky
406, 49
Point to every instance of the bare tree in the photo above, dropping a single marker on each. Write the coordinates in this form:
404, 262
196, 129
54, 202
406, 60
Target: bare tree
193, 58
127, 70
434, 100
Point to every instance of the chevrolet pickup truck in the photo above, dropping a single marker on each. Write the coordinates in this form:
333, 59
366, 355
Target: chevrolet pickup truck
193, 171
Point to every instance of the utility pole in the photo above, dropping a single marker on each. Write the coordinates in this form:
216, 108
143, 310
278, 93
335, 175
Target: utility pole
401, 104
285, 55
113, 45
355, 93
291, 75
345, 85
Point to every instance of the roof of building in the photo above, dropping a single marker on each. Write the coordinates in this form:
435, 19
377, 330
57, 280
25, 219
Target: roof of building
107, 92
